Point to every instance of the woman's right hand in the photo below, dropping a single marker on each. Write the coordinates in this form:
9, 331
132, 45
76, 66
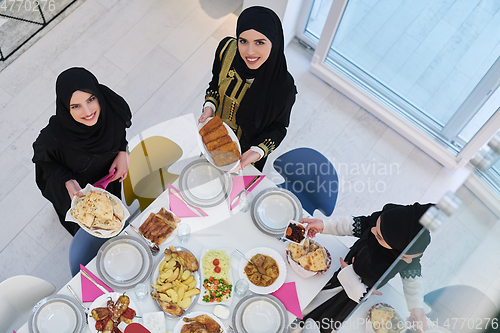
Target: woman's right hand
207, 112
73, 188
313, 227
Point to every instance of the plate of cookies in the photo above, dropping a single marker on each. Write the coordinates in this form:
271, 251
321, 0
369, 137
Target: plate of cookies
98, 212
308, 258
220, 145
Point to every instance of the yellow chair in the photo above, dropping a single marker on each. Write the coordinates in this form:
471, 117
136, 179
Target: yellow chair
147, 170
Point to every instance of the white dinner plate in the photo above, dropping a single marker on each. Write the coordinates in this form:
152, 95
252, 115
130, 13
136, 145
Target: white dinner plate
203, 185
229, 253
207, 154
101, 302
124, 261
145, 214
273, 208
281, 265
57, 314
180, 323
260, 314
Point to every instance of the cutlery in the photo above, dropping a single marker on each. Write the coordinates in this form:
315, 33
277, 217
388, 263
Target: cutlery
85, 309
191, 207
152, 246
246, 189
260, 269
94, 282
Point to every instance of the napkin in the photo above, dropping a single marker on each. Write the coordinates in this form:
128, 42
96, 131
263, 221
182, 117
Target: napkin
89, 290
179, 207
239, 184
287, 294
103, 182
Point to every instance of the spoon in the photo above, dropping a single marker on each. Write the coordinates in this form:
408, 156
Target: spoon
85, 309
260, 269
152, 246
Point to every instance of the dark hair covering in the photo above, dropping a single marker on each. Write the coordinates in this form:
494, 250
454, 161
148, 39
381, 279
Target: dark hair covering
400, 225
115, 115
265, 98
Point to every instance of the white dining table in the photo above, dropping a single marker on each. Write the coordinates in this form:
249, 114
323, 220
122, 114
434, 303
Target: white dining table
222, 228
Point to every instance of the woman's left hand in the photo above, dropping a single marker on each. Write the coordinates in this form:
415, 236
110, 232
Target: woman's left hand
121, 165
248, 157
418, 318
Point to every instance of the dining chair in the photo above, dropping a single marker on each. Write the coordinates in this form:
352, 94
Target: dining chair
148, 174
18, 295
311, 177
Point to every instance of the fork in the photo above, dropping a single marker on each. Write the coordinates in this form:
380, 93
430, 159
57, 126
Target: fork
85, 309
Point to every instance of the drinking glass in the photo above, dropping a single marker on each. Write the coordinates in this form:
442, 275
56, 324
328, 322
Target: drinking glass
141, 290
245, 202
240, 288
183, 231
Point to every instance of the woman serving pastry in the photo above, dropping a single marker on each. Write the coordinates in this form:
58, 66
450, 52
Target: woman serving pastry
251, 89
382, 238
83, 142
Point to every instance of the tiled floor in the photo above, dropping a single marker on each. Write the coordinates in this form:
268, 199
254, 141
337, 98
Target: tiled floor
158, 54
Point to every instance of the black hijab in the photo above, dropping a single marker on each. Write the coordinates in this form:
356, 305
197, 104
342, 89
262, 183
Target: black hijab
265, 98
399, 225
114, 117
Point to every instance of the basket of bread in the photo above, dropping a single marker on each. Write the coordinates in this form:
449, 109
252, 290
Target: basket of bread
220, 144
98, 212
384, 319
309, 258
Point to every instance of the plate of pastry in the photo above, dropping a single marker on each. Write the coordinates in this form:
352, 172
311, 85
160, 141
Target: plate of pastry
158, 224
219, 144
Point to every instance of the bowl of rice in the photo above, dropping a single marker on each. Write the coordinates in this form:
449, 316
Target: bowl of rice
216, 286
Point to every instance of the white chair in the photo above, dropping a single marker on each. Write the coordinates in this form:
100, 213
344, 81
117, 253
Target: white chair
18, 295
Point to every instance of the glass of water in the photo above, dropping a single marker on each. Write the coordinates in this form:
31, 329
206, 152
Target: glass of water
141, 290
246, 198
241, 288
183, 232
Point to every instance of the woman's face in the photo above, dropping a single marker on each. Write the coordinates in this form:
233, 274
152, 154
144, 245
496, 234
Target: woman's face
254, 48
378, 235
84, 108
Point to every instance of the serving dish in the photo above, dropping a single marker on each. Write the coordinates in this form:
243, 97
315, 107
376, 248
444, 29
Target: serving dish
260, 314
124, 261
203, 185
281, 265
57, 314
397, 323
207, 154
101, 302
145, 214
180, 323
301, 271
229, 253
196, 275
273, 208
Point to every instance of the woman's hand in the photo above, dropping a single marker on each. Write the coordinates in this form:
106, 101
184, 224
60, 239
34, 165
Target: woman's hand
248, 157
73, 188
418, 319
121, 165
313, 227
207, 112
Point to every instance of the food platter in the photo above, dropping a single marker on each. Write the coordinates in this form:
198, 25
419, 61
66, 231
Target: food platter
203, 185
180, 323
57, 314
260, 314
230, 278
145, 214
397, 324
156, 274
101, 302
301, 271
273, 208
207, 154
101, 233
281, 265
124, 261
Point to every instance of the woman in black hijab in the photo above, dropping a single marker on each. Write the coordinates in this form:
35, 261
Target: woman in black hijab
251, 89
382, 238
83, 142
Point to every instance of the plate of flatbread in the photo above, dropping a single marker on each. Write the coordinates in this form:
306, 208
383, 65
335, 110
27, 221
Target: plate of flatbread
98, 212
384, 319
309, 258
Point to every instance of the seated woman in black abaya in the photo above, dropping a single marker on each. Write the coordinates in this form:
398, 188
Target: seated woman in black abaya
83, 142
382, 238
251, 89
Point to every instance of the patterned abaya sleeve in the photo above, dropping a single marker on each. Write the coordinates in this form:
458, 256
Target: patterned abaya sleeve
212, 92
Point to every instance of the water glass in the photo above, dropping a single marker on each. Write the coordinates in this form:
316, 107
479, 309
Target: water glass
183, 231
240, 288
245, 202
141, 290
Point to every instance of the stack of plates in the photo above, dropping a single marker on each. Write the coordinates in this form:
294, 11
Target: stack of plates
123, 262
273, 208
203, 185
57, 314
260, 314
